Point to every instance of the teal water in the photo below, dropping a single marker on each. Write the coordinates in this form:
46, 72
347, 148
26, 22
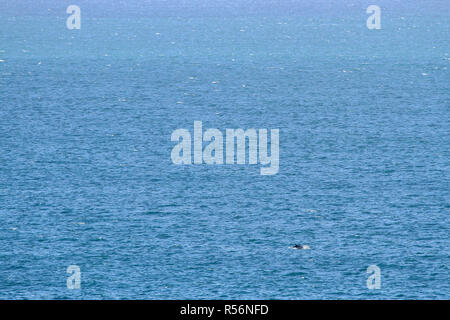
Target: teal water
86, 176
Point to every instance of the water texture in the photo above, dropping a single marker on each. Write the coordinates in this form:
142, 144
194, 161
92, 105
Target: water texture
86, 176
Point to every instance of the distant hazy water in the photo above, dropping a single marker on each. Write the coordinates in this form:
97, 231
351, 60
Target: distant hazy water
86, 176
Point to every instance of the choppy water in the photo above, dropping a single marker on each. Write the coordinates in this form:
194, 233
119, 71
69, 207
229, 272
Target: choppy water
86, 176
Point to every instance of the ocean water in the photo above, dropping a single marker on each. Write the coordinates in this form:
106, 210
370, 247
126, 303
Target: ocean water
86, 176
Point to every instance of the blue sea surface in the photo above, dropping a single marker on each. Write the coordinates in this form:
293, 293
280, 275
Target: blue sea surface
86, 176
